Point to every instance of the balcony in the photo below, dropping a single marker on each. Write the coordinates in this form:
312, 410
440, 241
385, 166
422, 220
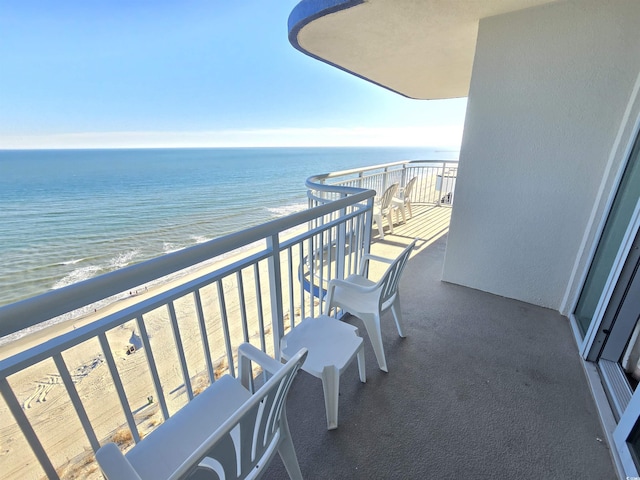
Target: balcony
482, 387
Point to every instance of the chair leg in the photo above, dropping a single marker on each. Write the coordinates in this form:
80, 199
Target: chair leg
404, 215
397, 314
361, 367
375, 335
409, 207
287, 451
390, 220
331, 387
378, 221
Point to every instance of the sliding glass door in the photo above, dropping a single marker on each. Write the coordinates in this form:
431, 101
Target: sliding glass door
616, 228
608, 312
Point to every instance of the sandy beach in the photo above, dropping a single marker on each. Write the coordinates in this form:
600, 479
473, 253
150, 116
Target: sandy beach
40, 391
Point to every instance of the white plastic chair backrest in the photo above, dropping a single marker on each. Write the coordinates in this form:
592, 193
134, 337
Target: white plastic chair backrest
387, 196
237, 448
388, 284
406, 194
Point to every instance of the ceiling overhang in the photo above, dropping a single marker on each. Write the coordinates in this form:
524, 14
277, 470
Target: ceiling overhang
418, 48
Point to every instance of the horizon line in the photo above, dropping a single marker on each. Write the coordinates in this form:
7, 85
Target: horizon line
445, 136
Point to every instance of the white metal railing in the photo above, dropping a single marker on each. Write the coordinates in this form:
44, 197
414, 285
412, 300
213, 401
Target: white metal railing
251, 286
436, 180
279, 267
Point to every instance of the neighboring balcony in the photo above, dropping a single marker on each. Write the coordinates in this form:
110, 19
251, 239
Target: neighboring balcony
481, 387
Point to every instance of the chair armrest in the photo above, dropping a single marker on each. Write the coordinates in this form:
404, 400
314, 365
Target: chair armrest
336, 282
368, 256
247, 353
114, 464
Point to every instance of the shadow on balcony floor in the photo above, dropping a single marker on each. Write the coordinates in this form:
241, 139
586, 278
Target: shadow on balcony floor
483, 387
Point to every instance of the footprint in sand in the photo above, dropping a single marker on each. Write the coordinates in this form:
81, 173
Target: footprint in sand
44, 387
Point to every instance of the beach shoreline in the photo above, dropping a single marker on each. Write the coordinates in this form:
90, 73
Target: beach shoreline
42, 396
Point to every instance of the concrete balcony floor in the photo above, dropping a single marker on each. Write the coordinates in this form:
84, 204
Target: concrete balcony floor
482, 387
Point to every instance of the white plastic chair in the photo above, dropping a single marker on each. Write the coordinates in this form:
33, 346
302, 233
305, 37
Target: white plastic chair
383, 208
224, 433
402, 202
368, 300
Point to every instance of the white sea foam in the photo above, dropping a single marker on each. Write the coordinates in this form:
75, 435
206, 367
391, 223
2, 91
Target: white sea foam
287, 209
123, 259
168, 247
200, 238
78, 275
72, 262
83, 273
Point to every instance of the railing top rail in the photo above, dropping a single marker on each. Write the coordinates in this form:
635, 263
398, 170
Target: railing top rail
314, 181
35, 354
32, 311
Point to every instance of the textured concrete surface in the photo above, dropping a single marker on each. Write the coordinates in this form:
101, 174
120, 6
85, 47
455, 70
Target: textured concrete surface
482, 387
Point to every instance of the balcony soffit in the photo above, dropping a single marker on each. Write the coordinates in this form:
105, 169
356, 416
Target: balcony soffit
421, 49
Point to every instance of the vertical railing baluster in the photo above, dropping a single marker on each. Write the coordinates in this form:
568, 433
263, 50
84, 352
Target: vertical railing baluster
180, 349
359, 252
384, 180
115, 376
329, 261
203, 335
225, 327
351, 239
321, 270
366, 245
341, 244
256, 277
301, 276
312, 274
275, 292
243, 306
153, 367
428, 185
290, 271
76, 402
439, 185
27, 430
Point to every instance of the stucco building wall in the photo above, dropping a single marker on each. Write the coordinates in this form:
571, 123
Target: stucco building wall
549, 98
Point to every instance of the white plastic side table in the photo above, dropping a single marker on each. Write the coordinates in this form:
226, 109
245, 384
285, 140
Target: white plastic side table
332, 346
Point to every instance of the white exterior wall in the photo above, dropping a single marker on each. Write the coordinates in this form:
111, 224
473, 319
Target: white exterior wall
548, 99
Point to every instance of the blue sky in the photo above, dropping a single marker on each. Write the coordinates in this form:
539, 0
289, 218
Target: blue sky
101, 73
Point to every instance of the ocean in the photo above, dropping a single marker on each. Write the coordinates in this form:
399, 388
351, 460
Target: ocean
69, 215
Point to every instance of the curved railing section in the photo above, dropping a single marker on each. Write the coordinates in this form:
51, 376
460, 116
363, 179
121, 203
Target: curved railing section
434, 184
435, 181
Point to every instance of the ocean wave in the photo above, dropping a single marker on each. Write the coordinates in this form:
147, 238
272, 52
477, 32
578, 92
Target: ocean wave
78, 275
200, 238
84, 273
72, 262
123, 259
168, 247
285, 210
